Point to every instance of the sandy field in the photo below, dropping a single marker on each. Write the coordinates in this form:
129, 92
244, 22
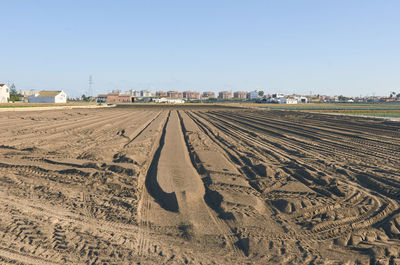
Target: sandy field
198, 185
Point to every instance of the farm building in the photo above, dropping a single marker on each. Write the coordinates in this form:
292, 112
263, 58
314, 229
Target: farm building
4, 93
48, 97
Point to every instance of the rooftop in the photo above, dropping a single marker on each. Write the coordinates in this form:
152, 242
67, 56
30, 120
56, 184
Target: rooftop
46, 94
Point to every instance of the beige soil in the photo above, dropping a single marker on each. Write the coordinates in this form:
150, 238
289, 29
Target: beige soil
197, 185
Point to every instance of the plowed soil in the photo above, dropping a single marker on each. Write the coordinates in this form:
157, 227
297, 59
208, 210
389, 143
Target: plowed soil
198, 185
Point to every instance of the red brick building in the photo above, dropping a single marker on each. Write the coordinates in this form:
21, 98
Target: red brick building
189, 95
161, 94
174, 94
225, 95
240, 95
116, 98
208, 94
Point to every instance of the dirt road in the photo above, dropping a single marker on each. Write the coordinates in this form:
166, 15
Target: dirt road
181, 185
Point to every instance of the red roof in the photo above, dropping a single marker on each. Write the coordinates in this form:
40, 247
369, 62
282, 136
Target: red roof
2, 84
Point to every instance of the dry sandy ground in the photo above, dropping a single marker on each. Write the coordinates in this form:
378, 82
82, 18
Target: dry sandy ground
182, 185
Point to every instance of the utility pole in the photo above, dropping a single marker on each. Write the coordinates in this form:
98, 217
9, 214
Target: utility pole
90, 92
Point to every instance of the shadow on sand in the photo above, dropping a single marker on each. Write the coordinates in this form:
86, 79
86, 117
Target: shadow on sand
166, 200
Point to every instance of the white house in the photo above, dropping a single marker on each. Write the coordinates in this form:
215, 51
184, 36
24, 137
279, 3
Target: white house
4, 93
291, 101
277, 98
302, 99
48, 97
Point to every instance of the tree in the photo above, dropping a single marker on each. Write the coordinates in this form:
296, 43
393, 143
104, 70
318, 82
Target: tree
261, 93
398, 96
14, 94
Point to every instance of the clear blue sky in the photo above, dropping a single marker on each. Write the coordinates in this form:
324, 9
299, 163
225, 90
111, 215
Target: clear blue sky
327, 47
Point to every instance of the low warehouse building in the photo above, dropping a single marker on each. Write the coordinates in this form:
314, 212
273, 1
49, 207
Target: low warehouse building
48, 97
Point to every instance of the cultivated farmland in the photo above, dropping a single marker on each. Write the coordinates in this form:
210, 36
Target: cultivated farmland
197, 185
372, 110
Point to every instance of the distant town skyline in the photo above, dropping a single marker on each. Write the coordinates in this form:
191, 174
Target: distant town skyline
266, 91
346, 48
